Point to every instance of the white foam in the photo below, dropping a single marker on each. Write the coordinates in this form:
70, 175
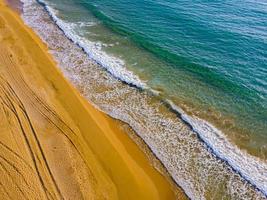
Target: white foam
87, 24
250, 167
94, 50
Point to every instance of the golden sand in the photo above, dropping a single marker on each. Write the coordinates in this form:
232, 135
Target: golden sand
53, 143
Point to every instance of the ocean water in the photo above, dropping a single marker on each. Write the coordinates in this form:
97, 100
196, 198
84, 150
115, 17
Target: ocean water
189, 77
209, 58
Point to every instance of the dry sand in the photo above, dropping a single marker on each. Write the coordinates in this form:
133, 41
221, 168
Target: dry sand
54, 144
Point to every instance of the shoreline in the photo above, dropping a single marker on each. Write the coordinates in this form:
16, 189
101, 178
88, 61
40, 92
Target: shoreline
199, 127
109, 159
15, 5
147, 140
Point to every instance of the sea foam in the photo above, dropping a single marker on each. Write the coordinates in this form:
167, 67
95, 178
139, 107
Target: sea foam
251, 168
94, 50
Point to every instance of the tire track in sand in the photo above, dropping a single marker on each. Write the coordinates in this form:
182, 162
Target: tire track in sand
14, 104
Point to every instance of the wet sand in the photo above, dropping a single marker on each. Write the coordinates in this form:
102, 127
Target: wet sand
53, 143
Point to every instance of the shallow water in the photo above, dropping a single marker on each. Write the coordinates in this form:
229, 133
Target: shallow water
198, 156
209, 58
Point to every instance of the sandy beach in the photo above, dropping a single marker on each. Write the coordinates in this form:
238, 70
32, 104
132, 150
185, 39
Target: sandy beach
53, 143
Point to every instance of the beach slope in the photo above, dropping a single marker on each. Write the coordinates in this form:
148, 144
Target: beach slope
54, 144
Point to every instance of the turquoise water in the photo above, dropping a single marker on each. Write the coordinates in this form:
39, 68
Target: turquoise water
207, 57
188, 77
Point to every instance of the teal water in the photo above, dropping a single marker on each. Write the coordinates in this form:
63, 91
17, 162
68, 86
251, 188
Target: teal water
158, 59
207, 57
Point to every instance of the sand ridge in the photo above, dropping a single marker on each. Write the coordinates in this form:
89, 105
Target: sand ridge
53, 143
